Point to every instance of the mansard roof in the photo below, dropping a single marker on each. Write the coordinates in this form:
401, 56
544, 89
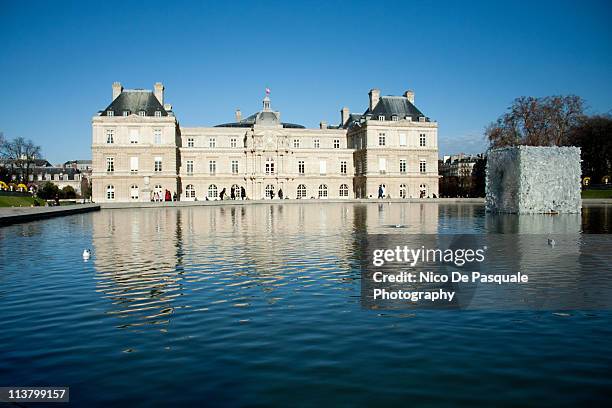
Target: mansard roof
134, 101
388, 106
262, 118
400, 106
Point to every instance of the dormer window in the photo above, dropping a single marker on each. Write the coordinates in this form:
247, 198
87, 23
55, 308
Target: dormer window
421, 118
142, 113
381, 117
394, 118
126, 113
110, 113
158, 114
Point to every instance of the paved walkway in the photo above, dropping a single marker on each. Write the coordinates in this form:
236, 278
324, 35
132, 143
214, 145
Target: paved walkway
13, 215
149, 204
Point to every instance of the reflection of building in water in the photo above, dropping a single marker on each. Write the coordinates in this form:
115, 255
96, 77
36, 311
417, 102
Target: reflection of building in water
138, 262
146, 259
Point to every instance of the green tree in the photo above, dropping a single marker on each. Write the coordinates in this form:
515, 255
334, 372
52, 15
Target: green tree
48, 191
594, 137
68, 192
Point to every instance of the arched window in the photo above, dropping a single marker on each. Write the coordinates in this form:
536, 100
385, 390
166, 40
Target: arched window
423, 190
134, 192
323, 191
190, 191
110, 192
344, 190
403, 191
236, 189
212, 191
269, 191
301, 191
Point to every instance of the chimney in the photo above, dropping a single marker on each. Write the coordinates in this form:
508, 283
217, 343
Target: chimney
344, 115
117, 89
238, 115
410, 95
159, 92
323, 124
374, 98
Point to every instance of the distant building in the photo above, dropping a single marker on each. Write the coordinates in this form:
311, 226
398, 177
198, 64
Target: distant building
139, 151
459, 165
41, 171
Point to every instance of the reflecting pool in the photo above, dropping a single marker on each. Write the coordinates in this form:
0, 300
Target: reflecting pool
260, 305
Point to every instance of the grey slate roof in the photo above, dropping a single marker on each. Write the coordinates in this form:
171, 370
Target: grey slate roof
134, 101
389, 106
395, 105
262, 117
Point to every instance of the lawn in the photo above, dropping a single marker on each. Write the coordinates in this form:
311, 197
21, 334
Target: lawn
17, 201
597, 193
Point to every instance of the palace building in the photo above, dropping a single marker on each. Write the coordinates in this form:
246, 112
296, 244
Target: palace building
140, 151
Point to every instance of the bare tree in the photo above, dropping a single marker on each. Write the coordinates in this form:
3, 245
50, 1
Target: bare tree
537, 121
19, 153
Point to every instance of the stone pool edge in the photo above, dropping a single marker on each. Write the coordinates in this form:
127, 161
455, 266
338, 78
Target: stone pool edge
15, 215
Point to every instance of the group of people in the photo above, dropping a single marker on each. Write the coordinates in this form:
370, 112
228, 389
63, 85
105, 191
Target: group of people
235, 194
158, 196
381, 194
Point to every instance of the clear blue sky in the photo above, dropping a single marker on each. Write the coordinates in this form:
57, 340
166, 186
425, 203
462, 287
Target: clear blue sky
466, 61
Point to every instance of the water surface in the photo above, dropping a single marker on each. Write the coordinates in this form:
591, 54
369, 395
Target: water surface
260, 305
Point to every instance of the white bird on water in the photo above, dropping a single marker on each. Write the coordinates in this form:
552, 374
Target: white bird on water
86, 254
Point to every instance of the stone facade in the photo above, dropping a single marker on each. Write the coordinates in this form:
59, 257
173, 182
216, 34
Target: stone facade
139, 149
529, 179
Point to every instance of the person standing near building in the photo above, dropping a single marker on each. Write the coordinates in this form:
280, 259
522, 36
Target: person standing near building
242, 193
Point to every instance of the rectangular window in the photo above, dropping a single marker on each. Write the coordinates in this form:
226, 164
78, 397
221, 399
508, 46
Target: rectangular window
157, 136
133, 136
381, 117
316, 143
301, 167
158, 164
212, 167
322, 167
423, 166
422, 140
233, 142
336, 143
343, 167
381, 139
235, 166
190, 142
296, 143
142, 113
212, 142
158, 114
394, 118
110, 113
126, 113
402, 137
269, 165
134, 164
382, 165
189, 166
402, 166
110, 164
110, 136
